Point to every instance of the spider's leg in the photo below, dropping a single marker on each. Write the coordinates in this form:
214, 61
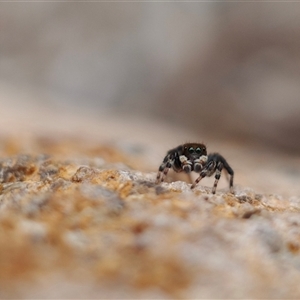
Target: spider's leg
222, 163
190, 178
217, 176
198, 180
163, 171
231, 184
231, 173
158, 177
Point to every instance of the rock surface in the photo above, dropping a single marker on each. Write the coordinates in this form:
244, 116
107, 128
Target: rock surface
81, 220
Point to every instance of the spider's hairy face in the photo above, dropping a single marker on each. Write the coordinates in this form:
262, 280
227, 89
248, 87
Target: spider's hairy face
194, 151
193, 157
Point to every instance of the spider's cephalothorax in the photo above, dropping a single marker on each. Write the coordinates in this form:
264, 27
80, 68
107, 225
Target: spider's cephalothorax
193, 157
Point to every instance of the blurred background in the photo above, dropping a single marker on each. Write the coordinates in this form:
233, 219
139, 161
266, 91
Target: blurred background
222, 70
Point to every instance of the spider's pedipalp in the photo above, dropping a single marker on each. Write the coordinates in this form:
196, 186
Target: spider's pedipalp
186, 165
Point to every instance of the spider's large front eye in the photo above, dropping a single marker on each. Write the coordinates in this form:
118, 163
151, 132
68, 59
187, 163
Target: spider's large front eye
191, 150
198, 150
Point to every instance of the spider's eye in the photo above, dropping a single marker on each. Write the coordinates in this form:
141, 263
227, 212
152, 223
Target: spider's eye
198, 150
191, 150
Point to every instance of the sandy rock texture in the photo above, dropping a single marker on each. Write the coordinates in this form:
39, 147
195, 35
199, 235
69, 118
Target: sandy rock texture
83, 219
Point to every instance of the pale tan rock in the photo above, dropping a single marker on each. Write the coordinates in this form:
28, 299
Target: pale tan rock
104, 229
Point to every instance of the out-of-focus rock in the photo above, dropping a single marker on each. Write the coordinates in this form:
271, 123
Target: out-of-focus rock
109, 231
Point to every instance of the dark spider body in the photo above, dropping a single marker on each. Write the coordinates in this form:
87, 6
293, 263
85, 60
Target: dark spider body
193, 157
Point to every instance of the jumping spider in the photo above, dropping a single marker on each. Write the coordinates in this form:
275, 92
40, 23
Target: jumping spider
193, 157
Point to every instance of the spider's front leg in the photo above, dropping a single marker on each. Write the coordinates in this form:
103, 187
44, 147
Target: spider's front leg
215, 164
171, 160
163, 170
